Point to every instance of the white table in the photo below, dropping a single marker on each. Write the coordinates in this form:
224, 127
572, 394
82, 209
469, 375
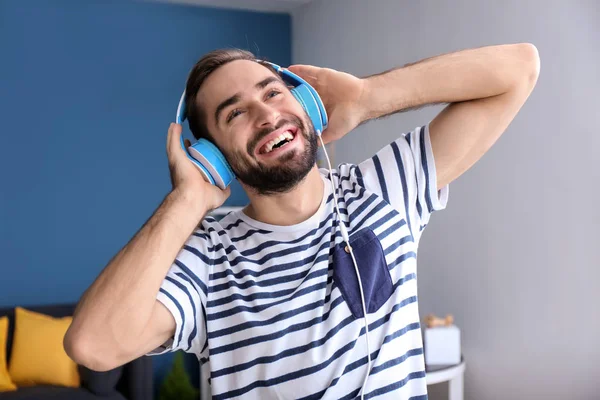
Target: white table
454, 375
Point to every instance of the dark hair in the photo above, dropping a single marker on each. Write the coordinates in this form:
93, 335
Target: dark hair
209, 63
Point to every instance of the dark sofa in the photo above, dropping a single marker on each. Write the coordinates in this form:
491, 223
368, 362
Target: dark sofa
131, 381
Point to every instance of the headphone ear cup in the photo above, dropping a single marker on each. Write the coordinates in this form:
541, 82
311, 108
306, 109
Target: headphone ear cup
212, 163
198, 164
320, 105
312, 105
206, 156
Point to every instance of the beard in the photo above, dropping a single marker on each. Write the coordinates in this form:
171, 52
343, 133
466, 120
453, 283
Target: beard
289, 169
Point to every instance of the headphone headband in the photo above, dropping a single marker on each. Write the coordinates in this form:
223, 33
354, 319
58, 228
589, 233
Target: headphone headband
286, 75
180, 117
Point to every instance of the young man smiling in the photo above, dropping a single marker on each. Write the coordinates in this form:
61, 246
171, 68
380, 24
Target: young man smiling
266, 298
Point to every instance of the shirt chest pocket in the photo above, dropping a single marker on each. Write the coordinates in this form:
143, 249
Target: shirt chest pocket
373, 269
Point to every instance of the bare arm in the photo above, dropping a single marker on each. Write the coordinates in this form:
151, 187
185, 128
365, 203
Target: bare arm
118, 318
486, 87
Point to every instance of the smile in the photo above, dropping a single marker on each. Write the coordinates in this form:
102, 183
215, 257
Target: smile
277, 141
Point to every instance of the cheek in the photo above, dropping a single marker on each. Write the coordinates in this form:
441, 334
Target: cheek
224, 143
239, 140
297, 109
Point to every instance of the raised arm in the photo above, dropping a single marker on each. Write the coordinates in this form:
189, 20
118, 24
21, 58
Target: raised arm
486, 87
119, 317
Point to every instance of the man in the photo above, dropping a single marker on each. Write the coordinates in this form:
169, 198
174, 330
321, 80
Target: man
266, 297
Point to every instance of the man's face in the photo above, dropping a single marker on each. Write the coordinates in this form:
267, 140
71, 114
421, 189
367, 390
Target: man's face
261, 129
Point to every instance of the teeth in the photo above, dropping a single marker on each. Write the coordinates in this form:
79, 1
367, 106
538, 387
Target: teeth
285, 135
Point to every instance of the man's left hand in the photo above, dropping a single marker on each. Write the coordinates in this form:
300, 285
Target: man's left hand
342, 95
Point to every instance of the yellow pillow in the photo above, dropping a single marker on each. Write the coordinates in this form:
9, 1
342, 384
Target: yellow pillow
38, 356
6, 384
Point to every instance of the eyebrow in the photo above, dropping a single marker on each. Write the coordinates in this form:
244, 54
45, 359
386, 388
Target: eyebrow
236, 97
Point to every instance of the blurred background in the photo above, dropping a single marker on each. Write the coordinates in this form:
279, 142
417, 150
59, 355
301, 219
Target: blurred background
88, 89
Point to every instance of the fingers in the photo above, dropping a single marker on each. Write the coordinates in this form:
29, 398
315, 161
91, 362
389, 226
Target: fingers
332, 132
225, 194
174, 138
218, 196
306, 72
303, 69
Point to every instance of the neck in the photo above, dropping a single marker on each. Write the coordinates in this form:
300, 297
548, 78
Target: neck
288, 208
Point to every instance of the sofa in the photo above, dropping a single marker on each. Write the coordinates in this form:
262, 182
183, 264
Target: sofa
133, 381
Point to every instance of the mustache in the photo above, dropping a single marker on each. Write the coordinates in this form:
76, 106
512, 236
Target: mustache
262, 133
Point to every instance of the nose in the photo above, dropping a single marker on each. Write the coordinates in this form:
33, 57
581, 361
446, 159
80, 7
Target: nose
266, 115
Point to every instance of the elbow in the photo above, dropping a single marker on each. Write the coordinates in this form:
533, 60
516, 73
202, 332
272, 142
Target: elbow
83, 350
530, 62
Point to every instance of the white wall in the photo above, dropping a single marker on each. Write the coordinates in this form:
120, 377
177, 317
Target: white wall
515, 256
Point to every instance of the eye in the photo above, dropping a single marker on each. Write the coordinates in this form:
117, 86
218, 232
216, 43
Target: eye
234, 113
273, 93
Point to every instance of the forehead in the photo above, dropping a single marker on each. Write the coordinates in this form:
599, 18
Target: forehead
235, 77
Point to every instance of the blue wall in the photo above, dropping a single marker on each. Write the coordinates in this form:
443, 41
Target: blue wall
87, 91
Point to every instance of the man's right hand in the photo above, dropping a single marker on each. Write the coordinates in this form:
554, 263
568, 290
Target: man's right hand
186, 179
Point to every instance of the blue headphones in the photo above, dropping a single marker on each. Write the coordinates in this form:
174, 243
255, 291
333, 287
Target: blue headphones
211, 162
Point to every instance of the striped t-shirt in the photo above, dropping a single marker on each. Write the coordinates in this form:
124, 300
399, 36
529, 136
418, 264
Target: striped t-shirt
274, 312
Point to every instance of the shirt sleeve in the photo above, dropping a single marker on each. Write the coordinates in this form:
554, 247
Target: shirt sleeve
184, 292
403, 174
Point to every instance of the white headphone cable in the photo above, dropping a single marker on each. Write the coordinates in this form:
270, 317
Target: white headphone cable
346, 238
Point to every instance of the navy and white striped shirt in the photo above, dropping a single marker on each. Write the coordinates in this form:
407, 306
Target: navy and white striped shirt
274, 312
